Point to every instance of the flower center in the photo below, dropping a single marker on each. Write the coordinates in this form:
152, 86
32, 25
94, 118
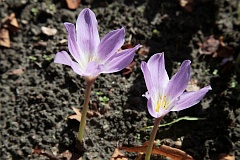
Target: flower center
162, 103
92, 58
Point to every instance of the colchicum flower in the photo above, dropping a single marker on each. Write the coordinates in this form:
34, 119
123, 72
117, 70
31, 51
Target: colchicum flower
166, 95
91, 55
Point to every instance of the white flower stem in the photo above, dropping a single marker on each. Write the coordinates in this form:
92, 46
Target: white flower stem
89, 82
152, 138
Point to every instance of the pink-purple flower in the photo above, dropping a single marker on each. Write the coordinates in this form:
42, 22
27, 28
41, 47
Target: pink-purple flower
166, 95
92, 56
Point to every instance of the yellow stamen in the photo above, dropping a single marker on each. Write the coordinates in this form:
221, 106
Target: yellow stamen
162, 102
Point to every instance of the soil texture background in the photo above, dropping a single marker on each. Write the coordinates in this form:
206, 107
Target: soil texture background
37, 95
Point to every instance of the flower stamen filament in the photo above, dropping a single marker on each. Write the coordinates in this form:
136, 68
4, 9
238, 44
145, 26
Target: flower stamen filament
162, 102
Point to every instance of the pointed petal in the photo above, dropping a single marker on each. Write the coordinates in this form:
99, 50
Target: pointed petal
72, 41
151, 109
120, 60
110, 43
87, 32
156, 66
178, 82
77, 68
189, 99
147, 78
63, 58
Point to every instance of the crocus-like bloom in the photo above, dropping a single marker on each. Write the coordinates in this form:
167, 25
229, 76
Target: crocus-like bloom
166, 95
92, 56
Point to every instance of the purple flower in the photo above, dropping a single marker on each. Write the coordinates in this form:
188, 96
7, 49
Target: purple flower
166, 95
92, 56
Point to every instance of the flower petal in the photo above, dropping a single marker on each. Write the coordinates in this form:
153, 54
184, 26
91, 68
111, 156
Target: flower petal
151, 110
63, 58
147, 78
93, 69
87, 32
72, 41
164, 111
110, 43
120, 60
189, 99
156, 66
178, 82
77, 68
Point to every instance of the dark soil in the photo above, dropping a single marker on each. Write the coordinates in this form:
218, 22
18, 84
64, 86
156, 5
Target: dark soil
35, 105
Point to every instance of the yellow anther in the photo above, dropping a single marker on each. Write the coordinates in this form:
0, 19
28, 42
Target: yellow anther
162, 102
